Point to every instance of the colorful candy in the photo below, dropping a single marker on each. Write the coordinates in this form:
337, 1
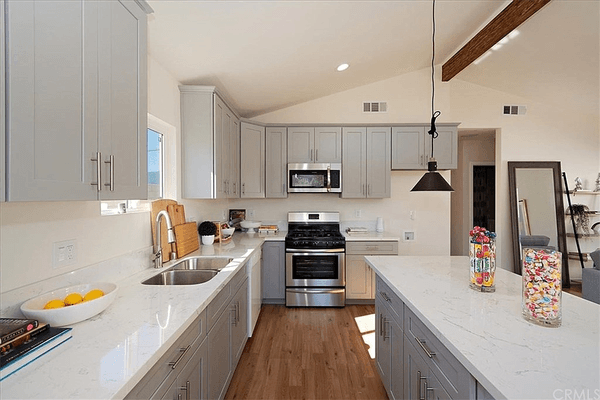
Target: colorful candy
542, 286
482, 253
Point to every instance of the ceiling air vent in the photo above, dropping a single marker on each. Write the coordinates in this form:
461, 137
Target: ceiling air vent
375, 106
514, 110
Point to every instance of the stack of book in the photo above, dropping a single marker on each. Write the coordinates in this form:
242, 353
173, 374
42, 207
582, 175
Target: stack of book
22, 341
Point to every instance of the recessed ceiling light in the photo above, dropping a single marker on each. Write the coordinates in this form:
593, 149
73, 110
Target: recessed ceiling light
342, 67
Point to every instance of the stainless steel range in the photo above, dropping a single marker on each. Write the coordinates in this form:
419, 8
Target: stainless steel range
315, 260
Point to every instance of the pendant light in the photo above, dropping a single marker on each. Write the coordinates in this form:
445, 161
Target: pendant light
432, 180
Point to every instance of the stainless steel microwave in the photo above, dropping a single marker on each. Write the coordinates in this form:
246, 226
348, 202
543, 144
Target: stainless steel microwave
315, 178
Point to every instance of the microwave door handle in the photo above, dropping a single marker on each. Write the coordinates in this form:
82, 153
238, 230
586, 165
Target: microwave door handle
329, 178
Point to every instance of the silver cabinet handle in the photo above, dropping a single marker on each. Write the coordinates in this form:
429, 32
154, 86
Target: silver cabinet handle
385, 296
98, 183
385, 329
243, 188
185, 388
429, 353
311, 155
234, 311
420, 379
234, 188
183, 350
111, 173
317, 155
380, 324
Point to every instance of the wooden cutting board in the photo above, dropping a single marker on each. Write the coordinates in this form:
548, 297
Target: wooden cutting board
186, 238
158, 206
176, 213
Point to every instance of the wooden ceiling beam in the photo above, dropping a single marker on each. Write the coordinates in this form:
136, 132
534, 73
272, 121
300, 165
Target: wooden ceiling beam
510, 18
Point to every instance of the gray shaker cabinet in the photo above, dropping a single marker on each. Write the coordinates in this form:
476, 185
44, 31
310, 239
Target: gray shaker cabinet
76, 91
252, 161
239, 329
389, 347
411, 147
314, 144
366, 168
276, 162
273, 272
2, 90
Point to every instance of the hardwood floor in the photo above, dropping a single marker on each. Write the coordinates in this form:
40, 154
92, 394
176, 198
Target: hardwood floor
309, 353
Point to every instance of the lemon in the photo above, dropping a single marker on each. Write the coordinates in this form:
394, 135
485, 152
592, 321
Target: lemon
56, 303
93, 294
73, 298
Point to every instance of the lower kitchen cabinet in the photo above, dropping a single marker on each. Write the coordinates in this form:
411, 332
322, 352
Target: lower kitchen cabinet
191, 383
273, 273
239, 324
360, 279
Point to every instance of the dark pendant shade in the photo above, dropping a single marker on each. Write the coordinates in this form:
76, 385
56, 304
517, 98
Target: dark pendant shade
432, 181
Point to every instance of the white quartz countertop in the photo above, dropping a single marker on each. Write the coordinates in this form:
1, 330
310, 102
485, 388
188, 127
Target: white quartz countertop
510, 357
109, 353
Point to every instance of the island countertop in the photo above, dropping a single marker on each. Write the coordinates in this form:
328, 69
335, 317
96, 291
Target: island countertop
510, 357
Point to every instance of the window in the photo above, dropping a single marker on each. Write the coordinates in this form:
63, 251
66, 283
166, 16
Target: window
155, 165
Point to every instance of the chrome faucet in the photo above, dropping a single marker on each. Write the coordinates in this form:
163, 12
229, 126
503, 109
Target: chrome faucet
158, 256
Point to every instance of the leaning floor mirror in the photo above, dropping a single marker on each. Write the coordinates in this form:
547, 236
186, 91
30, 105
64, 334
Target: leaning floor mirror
537, 211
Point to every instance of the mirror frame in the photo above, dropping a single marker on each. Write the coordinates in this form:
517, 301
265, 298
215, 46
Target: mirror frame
560, 213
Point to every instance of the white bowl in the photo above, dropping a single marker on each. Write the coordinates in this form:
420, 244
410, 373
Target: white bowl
250, 224
34, 308
227, 231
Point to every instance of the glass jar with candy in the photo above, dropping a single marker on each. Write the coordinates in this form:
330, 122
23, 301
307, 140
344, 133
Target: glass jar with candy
482, 255
542, 286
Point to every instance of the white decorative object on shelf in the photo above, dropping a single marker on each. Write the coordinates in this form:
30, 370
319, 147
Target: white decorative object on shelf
597, 184
578, 184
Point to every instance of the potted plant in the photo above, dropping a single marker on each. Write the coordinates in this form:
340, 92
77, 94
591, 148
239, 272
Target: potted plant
207, 231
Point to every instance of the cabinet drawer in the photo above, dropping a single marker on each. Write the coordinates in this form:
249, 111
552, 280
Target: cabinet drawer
387, 296
218, 305
371, 248
180, 352
454, 378
237, 280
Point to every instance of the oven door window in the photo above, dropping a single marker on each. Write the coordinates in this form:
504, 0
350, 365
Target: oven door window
308, 179
315, 267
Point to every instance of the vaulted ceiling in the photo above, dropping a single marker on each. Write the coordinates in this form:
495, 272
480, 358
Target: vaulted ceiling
270, 54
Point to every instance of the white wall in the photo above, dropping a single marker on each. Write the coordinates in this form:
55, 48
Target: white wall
28, 230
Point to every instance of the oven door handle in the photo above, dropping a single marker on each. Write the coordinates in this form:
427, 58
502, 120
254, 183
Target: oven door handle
313, 251
329, 178
314, 291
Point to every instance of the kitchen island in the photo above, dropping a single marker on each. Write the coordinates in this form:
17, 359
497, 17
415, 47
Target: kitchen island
111, 352
485, 332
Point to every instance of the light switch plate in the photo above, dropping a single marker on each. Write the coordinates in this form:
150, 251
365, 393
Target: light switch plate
64, 253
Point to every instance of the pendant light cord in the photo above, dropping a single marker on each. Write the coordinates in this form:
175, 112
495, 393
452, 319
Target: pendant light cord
434, 114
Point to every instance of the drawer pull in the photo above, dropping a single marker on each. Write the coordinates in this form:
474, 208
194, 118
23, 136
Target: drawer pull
385, 296
372, 247
380, 324
185, 388
183, 350
430, 354
419, 385
385, 329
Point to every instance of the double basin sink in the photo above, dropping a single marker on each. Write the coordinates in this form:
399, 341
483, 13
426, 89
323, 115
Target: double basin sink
189, 271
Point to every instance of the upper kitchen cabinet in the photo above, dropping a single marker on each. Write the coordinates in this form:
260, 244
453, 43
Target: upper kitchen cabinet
366, 167
76, 100
2, 106
411, 147
276, 162
314, 145
252, 161
209, 143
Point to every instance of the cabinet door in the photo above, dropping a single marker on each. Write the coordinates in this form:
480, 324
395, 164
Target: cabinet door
219, 131
408, 148
358, 278
122, 100
51, 99
379, 179
328, 145
219, 356
445, 147
239, 330
396, 337
276, 163
273, 271
383, 344
224, 155
252, 161
2, 97
415, 373
301, 143
193, 379
354, 167
234, 158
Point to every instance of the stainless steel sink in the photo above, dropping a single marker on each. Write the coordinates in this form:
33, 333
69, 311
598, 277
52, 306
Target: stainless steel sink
190, 271
182, 277
200, 263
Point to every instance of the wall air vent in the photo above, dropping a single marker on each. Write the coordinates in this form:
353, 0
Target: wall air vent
514, 110
375, 106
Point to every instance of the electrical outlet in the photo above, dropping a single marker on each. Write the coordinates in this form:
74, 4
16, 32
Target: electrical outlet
224, 215
408, 236
250, 215
358, 213
64, 253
